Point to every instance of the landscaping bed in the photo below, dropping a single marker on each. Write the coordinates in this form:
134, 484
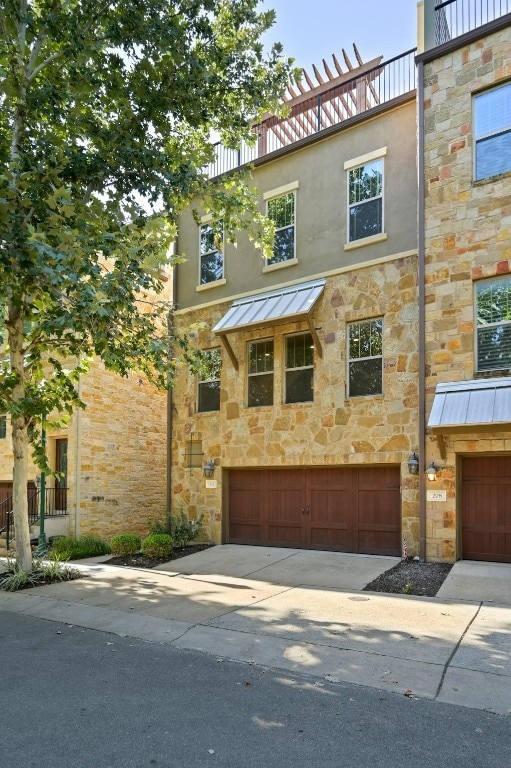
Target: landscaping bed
411, 577
139, 560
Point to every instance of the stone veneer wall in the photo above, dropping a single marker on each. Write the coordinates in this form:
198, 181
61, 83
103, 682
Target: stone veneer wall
332, 431
468, 236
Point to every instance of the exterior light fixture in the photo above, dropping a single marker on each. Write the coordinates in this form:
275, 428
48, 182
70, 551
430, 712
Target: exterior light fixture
431, 471
413, 464
209, 468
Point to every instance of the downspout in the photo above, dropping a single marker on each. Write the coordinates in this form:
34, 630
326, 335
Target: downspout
78, 463
421, 255
170, 400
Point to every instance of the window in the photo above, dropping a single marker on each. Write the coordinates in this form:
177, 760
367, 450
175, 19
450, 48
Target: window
492, 128
281, 210
209, 382
365, 199
493, 301
211, 252
3, 426
365, 358
260, 373
299, 369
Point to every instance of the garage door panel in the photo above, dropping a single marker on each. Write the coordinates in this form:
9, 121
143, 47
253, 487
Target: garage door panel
345, 509
486, 508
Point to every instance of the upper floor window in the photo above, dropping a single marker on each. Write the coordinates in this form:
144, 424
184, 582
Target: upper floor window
493, 303
281, 210
492, 129
365, 199
260, 373
209, 382
3, 426
299, 369
211, 252
365, 358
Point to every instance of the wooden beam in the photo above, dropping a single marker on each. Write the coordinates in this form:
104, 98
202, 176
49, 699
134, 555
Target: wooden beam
315, 337
230, 351
441, 445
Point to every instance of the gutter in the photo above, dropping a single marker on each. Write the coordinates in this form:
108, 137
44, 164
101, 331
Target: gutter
170, 399
421, 257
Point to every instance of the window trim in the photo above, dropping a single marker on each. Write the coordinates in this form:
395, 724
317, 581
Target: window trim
3, 426
478, 139
200, 381
486, 371
204, 222
273, 194
263, 373
285, 369
350, 165
357, 359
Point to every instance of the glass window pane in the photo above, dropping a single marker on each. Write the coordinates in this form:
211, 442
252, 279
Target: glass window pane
494, 347
299, 386
260, 390
260, 355
281, 210
211, 267
299, 351
365, 377
3, 426
493, 156
366, 219
494, 301
284, 246
209, 396
366, 181
493, 111
207, 239
376, 336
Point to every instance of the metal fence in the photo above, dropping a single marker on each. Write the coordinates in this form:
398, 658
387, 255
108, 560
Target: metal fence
56, 506
456, 17
308, 117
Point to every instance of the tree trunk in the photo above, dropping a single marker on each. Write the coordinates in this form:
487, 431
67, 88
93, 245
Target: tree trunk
20, 443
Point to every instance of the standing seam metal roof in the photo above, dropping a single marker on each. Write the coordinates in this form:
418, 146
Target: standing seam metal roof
478, 401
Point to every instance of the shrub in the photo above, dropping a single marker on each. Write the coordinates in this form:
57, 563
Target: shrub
161, 524
157, 545
77, 547
125, 544
12, 577
184, 530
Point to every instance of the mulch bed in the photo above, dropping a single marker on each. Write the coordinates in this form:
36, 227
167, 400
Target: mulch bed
141, 561
410, 577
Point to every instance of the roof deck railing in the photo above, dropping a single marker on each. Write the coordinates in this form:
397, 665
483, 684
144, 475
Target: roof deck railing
457, 17
313, 114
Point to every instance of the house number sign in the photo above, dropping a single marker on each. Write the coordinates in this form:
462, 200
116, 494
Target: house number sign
436, 495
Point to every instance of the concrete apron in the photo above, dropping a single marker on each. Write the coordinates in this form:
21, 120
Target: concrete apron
288, 609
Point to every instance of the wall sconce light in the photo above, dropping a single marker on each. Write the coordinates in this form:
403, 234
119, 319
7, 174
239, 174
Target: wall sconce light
413, 464
209, 468
431, 471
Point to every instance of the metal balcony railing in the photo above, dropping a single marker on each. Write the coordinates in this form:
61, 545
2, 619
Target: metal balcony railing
456, 17
56, 505
362, 93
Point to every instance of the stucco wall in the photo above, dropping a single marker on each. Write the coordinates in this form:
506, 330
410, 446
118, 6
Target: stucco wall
468, 236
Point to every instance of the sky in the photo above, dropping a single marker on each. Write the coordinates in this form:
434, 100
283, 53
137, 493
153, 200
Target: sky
312, 30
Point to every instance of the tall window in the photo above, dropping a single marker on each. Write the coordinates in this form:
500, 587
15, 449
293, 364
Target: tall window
365, 200
493, 302
260, 373
3, 426
299, 369
365, 358
492, 129
281, 210
209, 382
211, 252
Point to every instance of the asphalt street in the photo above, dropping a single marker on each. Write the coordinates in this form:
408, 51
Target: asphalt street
80, 698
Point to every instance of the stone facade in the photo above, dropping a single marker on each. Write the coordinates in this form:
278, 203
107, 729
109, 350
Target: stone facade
467, 237
334, 430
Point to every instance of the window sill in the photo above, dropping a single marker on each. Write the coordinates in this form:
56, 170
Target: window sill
280, 265
213, 284
496, 373
379, 396
365, 241
489, 179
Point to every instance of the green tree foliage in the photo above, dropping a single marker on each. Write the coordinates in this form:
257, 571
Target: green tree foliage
107, 113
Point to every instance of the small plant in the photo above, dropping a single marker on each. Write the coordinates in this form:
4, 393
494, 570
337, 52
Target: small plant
161, 524
408, 588
157, 545
125, 544
13, 578
77, 547
184, 530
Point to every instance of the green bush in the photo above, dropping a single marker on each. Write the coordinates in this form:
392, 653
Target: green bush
184, 530
12, 577
77, 547
161, 524
157, 545
125, 544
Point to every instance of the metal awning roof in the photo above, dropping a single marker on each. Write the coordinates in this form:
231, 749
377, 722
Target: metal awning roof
273, 308
473, 403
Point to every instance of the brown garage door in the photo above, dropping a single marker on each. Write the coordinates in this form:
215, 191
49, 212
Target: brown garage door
486, 508
346, 510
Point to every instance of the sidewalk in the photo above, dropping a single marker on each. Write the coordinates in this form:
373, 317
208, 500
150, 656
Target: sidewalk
452, 650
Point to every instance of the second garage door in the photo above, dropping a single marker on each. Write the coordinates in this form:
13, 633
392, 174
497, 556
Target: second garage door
486, 508
341, 509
